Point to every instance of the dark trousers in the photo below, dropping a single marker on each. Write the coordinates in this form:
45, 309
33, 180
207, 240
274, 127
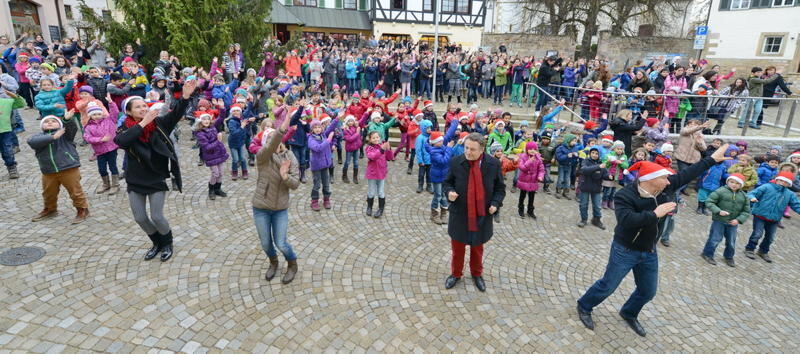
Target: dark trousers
106, 162
424, 174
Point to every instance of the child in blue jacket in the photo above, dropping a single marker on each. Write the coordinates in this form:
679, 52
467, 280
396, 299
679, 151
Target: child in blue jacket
709, 181
423, 157
238, 129
769, 202
768, 169
566, 156
440, 153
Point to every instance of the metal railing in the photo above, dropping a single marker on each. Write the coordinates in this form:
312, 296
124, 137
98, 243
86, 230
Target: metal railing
585, 104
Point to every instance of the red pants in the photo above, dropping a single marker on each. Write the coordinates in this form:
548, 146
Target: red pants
475, 259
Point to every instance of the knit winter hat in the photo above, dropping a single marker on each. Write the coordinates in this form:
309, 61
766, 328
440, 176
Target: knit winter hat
499, 123
776, 147
785, 176
498, 112
436, 137
618, 144
495, 147
651, 121
738, 177
34, 60
531, 145
375, 115
127, 60
650, 170
349, 118
335, 86
356, 95
93, 108
315, 123
427, 103
379, 94
667, 147
41, 122
86, 88
407, 99
473, 107
524, 123
49, 66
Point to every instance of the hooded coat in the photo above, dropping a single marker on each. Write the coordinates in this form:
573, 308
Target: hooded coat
423, 157
531, 170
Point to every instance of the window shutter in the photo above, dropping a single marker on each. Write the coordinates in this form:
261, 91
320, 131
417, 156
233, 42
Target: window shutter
362, 4
760, 4
288, 2
724, 5
338, 4
321, 3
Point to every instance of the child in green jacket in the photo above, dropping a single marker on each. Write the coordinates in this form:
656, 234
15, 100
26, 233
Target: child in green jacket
7, 107
729, 207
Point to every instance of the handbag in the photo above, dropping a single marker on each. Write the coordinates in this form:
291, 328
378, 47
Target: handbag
719, 109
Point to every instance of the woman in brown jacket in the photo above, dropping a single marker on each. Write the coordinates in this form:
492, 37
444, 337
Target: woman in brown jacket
278, 172
691, 144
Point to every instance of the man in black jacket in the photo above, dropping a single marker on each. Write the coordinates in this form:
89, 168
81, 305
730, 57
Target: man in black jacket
549, 67
641, 208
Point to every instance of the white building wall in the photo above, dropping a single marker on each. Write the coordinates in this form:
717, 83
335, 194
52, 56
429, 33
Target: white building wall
738, 32
97, 5
468, 37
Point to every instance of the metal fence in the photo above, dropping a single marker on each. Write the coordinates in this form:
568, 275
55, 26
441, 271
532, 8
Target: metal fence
584, 104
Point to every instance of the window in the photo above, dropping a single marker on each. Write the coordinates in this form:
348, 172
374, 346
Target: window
68, 11
455, 6
106, 15
772, 45
740, 4
312, 3
398, 4
781, 3
350, 4
427, 5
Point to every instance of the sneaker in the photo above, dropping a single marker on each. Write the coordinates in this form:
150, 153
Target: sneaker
665, 243
708, 259
730, 262
582, 223
765, 257
749, 254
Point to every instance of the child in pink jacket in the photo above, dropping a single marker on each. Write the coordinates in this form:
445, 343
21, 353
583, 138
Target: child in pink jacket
378, 153
100, 130
531, 173
352, 144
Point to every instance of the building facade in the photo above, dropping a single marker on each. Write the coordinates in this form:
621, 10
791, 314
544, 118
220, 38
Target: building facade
341, 19
746, 33
45, 17
460, 22
75, 25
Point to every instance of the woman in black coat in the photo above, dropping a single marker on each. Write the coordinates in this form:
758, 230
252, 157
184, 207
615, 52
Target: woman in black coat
151, 160
476, 229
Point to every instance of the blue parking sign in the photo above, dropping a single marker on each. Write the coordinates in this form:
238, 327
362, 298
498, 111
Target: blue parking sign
701, 31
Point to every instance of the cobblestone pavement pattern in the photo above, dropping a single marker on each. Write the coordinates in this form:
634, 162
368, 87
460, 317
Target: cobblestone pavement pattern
364, 284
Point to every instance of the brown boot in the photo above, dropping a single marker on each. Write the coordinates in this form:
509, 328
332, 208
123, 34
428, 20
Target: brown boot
435, 217
443, 216
105, 187
114, 185
273, 268
83, 213
44, 214
291, 270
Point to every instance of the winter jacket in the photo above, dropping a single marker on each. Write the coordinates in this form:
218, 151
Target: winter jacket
46, 100
269, 71
772, 201
381, 127
749, 173
500, 76
7, 107
320, 147
138, 88
494, 192
690, 144
352, 138
423, 157
431, 117
488, 71
569, 77
272, 192
212, 150
756, 84
675, 85
151, 162
56, 155
766, 173
531, 172
616, 165
225, 92
237, 136
351, 69
505, 140
638, 228
624, 130
376, 161
591, 175
547, 152
736, 203
300, 136
563, 150
82, 105
440, 156
711, 180
95, 130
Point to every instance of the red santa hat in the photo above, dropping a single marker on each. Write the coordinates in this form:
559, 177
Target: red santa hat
608, 139
436, 137
236, 107
650, 170
324, 118
589, 125
427, 103
462, 115
651, 121
415, 113
785, 176
462, 136
738, 177
202, 114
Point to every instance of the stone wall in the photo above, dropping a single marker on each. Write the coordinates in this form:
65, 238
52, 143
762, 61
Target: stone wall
526, 44
621, 49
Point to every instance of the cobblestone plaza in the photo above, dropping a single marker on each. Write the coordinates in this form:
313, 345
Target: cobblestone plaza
364, 284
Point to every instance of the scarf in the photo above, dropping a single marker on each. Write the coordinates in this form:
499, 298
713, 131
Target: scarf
147, 130
476, 202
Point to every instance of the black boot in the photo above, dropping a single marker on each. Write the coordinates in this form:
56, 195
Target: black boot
153, 251
370, 201
429, 188
166, 249
330, 175
355, 175
345, 179
521, 205
530, 206
211, 194
449, 98
458, 98
218, 190
597, 223
558, 193
381, 204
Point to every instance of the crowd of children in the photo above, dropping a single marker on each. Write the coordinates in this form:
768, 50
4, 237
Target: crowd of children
331, 117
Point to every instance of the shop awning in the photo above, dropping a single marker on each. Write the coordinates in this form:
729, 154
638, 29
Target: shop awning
320, 17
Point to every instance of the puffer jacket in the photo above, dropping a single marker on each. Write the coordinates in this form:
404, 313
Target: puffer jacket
440, 161
376, 161
237, 136
56, 155
531, 171
352, 139
46, 100
766, 173
690, 144
711, 180
95, 130
749, 173
320, 148
591, 174
423, 157
212, 150
772, 201
272, 192
735, 203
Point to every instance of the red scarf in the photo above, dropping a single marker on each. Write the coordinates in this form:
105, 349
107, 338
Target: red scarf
148, 129
476, 197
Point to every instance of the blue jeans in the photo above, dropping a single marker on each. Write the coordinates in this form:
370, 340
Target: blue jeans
768, 229
351, 155
499, 91
438, 197
352, 86
425, 87
272, 226
238, 157
621, 261
107, 161
375, 188
669, 225
487, 88
7, 148
719, 230
300, 154
758, 105
563, 176
542, 100
608, 193
584, 205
